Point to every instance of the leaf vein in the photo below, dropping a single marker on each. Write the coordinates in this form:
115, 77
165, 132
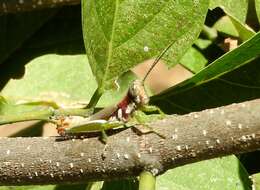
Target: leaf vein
110, 44
239, 85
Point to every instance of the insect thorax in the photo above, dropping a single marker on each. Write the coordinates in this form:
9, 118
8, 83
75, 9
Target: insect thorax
136, 97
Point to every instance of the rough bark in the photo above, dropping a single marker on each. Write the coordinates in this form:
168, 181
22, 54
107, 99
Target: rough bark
14, 6
189, 138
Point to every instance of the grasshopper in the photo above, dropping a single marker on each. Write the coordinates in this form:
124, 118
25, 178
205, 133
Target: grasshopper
135, 100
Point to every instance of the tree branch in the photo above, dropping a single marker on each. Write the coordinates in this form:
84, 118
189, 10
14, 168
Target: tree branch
14, 6
189, 138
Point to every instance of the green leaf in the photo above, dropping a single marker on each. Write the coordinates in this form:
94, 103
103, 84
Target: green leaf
59, 78
244, 31
193, 60
203, 43
257, 6
225, 25
64, 79
222, 82
224, 173
232, 26
17, 28
113, 96
97, 185
117, 34
49, 39
256, 181
237, 9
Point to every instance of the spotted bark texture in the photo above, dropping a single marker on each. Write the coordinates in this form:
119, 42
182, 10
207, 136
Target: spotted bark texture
189, 138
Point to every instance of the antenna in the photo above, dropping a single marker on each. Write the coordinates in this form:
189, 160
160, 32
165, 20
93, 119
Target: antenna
156, 61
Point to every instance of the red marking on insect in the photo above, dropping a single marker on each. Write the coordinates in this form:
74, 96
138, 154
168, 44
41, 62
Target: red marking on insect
136, 97
122, 112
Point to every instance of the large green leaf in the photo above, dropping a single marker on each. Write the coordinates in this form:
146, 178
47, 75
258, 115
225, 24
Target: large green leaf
33, 79
50, 38
224, 173
237, 9
120, 34
64, 79
17, 28
222, 82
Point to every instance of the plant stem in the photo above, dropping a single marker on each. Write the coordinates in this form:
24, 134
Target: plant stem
95, 98
147, 181
74, 111
43, 115
29, 116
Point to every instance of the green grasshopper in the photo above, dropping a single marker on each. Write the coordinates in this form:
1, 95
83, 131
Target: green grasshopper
129, 107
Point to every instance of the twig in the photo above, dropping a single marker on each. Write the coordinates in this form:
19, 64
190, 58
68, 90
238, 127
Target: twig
14, 6
189, 138
44, 114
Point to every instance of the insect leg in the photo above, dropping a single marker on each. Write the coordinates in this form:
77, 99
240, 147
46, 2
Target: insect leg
103, 137
151, 108
106, 126
142, 119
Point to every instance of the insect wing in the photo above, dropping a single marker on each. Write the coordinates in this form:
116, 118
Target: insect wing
94, 126
104, 113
